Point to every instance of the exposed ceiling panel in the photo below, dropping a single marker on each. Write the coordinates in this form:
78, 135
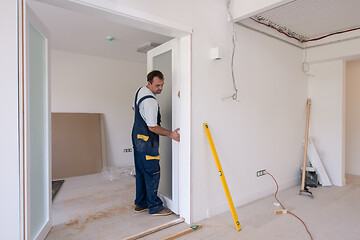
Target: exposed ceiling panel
80, 33
308, 19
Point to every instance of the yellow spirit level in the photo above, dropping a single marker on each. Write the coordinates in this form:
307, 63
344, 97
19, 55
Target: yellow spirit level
222, 177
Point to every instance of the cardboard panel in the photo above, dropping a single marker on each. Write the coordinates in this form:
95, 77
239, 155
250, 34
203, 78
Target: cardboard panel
76, 144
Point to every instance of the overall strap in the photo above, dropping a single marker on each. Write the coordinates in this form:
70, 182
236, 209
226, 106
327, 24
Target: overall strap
145, 97
151, 134
136, 96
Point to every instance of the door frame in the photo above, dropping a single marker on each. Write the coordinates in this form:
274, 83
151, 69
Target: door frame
131, 17
25, 14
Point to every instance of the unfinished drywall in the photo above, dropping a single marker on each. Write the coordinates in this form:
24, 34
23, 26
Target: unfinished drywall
76, 144
89, 84
326, 90
9, 132
352, 116
263, 130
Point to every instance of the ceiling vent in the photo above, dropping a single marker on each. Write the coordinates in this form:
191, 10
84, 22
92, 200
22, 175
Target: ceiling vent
147, 47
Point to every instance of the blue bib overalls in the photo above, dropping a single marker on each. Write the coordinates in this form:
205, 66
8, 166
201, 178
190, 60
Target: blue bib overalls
146, 156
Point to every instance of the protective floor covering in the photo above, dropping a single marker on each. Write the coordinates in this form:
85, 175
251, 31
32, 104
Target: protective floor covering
93, 208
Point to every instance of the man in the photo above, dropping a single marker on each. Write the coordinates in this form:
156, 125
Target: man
145, 138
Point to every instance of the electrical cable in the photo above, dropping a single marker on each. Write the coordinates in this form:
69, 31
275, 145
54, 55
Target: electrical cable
306, 66
280, 31
277, 189
301, 39
328, 35
233, 33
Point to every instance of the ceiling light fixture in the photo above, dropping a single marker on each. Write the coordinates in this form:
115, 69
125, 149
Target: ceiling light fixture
109, 38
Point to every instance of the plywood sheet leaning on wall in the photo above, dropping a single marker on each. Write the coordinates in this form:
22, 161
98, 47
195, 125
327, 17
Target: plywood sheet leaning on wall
78, 144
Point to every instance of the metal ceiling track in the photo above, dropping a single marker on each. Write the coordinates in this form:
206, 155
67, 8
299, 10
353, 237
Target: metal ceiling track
301, 23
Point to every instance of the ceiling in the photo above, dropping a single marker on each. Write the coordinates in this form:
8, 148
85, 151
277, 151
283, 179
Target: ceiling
303, 21
80, 33
293, 21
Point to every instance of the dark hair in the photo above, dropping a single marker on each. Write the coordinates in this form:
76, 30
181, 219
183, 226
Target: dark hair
154, 73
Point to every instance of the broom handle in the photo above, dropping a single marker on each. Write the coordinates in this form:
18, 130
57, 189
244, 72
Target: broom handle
306, 144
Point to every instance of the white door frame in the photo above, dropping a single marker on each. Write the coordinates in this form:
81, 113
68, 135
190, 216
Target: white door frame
132, 17
26, 17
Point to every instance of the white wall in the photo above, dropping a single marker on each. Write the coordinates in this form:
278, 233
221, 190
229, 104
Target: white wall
352, 126
84, 83
264, 130
326, 90
9, 142
340, 51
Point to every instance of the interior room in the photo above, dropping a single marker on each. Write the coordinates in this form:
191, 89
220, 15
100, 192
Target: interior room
266, 94
96, 68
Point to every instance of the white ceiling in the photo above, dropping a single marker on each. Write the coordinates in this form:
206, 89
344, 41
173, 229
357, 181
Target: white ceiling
80, 33
309, 19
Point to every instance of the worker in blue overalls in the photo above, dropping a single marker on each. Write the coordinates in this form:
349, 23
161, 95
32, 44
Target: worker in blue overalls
145, 138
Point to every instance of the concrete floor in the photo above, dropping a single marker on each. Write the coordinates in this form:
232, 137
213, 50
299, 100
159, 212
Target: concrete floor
90, 207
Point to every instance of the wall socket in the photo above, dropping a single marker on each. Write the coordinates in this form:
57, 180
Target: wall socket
261, 173
127, 149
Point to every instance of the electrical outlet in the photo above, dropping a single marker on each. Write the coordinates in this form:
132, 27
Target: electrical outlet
261, 173
128, 150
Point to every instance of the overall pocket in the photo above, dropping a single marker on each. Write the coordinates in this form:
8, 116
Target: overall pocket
152, 167
142, 143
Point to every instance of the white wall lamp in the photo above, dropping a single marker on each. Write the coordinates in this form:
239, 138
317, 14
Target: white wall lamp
215, 53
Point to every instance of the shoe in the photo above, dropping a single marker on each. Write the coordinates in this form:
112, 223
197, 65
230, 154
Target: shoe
141, 209
163, 212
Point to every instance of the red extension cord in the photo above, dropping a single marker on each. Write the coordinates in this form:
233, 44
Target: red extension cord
277, 189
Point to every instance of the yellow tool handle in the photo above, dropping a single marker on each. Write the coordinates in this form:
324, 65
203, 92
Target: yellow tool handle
222, 177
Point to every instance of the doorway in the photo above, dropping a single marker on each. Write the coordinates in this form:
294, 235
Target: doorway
352, 117
185, 118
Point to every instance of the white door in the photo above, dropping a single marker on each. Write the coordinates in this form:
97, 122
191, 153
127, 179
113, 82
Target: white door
37, 177
165, 59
